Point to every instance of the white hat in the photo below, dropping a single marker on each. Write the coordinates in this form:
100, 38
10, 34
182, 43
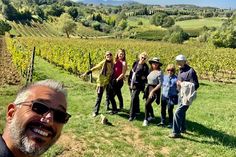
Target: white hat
180, 58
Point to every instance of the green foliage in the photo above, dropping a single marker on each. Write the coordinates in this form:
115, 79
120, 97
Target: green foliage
39, 11
9, 12
96, 25
55, 10
4, 27
176, 35
162, 19
73, 12
157, 19
186, 17
67, 24
122, 24
168, 22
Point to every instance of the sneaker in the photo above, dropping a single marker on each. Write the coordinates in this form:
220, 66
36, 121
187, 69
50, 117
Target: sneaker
161, 124
94, 114
131, 118
108, 109
150, 118
113, 112
169, 126
145, 123
175, 136
183, 131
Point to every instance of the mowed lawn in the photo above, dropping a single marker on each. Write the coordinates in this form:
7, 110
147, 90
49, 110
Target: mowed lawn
211, 123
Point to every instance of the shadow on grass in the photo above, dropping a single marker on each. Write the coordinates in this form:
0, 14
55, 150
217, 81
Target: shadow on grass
219, 137
139, 117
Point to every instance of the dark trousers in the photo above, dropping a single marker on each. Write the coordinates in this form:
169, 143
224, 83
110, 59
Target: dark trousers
100, 91
134, 105
110, 96
164, 104
149, 108
117, 92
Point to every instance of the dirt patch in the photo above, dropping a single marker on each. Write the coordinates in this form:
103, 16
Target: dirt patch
133, 136
165, 151
71, 145
8, 73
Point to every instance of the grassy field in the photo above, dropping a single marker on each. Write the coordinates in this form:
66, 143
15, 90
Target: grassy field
211, 123
199, 23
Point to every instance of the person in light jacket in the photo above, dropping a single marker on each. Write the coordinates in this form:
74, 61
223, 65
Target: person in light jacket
186, 74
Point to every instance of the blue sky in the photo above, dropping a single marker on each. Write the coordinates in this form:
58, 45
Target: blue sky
213, 3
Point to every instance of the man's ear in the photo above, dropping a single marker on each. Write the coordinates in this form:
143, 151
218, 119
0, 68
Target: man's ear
11, 109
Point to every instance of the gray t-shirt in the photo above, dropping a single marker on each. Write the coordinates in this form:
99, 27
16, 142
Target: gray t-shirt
155, 77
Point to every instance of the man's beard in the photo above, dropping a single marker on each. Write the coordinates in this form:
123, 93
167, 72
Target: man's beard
24, 143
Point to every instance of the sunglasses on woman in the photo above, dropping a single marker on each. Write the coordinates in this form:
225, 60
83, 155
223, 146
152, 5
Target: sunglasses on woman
40, 108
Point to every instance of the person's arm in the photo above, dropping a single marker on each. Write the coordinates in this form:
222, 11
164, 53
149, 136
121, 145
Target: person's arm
98, 66
195, 79
124, 68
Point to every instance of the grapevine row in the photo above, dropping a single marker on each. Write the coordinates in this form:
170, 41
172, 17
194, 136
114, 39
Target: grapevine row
72, 54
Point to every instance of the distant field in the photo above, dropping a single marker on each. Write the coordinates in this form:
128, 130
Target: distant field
151, 32
199, 23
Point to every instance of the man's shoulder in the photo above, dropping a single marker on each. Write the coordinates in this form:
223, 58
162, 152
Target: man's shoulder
4, 151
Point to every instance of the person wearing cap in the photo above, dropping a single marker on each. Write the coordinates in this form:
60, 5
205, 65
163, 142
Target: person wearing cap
187, 83
153, 90
169, 96
106, 71
136, 81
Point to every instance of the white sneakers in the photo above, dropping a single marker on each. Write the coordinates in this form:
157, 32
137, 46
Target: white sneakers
145, 123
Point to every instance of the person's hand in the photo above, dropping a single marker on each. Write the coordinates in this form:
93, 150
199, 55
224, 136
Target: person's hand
151, 94
178, 83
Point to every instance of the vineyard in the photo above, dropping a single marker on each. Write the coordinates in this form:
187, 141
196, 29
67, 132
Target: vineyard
49, 29
72, 54
8, 72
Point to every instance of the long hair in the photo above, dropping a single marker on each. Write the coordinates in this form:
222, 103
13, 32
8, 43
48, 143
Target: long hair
117, 53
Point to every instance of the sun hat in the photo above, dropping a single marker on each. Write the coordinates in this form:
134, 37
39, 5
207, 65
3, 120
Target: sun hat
155, 60
180, 58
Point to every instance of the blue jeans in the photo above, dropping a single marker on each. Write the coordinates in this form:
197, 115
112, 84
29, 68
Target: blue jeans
179, 119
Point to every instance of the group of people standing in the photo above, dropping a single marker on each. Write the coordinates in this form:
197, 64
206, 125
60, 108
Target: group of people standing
167, 90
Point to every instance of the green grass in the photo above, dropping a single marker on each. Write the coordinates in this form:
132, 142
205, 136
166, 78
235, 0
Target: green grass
199, 23
210, 119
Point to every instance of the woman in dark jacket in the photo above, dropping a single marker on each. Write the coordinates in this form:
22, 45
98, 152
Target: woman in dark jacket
136, 81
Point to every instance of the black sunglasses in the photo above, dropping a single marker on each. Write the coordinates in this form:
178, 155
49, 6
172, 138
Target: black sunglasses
170, 70
40, 108
144, 58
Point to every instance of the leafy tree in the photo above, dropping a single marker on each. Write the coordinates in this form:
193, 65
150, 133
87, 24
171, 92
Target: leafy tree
4, 27
55, 10
67, 24
73, 12
122, 25
176, 35
9, 12
168, 22
38, 11
96, 25
224, 36
157, 19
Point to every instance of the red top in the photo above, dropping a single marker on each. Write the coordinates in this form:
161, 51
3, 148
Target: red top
118, 68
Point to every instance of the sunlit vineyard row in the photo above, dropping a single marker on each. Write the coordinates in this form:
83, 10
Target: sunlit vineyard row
72, 54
